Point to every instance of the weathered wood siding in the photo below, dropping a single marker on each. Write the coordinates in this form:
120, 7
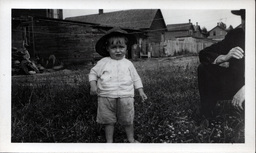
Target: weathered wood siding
17, 37
157, 29
171, 35
69, 42
217, 33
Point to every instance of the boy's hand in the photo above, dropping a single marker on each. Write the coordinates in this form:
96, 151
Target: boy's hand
142, 94
93, 89
143, 97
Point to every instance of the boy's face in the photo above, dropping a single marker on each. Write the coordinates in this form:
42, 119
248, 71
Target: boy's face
117, 47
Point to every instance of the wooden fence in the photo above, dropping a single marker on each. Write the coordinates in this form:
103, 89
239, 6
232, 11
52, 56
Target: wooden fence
170, 48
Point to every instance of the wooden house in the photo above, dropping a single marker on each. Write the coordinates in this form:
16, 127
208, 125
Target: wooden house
179, 30
149, 21
69, 41
22, 18
183, 30
46, 34
217, 33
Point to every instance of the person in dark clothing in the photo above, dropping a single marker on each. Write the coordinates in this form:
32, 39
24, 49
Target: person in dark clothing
221, 72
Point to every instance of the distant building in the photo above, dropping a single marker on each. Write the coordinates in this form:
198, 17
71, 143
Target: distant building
185, 38
175, 31
179, 30
218, 33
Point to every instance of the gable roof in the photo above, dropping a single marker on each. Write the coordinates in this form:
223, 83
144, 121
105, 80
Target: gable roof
133, 19
180, 27
218, 27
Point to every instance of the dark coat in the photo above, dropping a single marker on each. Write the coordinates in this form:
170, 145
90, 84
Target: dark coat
233, 39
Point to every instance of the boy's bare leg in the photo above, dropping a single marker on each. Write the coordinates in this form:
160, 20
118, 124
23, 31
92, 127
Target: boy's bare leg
109, 132
130, 133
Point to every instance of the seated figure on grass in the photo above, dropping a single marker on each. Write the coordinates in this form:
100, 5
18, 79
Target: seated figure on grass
113, 79
221, 72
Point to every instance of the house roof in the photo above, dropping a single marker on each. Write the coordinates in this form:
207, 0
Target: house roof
218, 27
180, 27
133, 19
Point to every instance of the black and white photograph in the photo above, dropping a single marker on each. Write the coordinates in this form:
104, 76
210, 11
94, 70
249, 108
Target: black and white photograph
164, 77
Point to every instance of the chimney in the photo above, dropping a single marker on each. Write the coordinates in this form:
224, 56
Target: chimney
196, 23
189, 20
100, 11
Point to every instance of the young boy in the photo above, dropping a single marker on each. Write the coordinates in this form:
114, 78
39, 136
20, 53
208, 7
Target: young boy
113, 79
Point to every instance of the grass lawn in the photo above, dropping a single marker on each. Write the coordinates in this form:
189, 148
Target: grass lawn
57, 107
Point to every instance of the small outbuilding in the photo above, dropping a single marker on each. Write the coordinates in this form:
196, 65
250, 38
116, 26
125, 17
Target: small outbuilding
217, 33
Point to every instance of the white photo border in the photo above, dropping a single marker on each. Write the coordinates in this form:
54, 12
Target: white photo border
5, 76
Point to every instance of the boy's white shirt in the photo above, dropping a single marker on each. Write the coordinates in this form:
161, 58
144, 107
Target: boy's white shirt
115, 78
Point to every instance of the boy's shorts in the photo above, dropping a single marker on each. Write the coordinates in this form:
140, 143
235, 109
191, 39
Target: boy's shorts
112, 110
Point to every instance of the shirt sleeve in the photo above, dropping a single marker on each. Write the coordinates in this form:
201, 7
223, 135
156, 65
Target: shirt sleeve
135, 77
95, 71
211, 53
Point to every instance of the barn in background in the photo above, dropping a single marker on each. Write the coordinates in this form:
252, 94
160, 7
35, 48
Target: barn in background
22, 23
149, 21
68, 41
71, 42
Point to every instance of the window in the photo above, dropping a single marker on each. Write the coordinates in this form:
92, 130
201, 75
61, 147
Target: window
214, 33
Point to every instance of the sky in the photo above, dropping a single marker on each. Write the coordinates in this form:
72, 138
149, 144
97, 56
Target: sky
204, 18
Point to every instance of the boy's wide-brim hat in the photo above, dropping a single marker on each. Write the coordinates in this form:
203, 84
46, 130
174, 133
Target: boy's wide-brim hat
240, 12
101, 43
